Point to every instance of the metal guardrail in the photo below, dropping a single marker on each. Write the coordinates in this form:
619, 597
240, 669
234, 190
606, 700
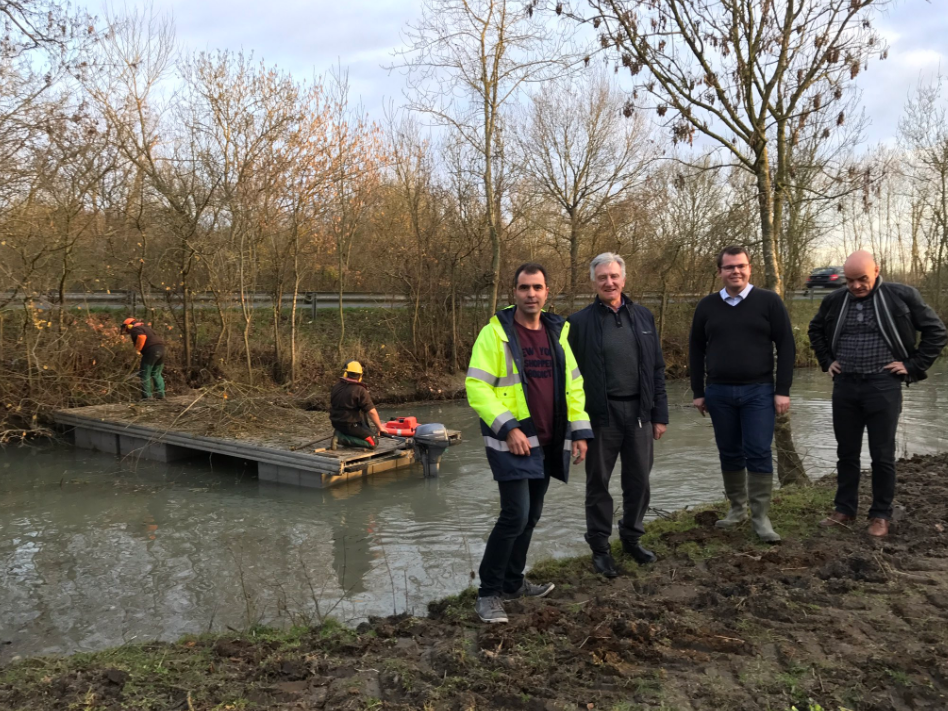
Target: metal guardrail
131, 299
123, 296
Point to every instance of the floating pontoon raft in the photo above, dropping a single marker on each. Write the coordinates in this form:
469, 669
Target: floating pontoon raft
289, 445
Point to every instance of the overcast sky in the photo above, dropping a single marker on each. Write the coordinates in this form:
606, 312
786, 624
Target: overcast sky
310, 37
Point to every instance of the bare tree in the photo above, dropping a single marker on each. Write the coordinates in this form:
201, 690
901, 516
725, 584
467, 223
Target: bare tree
923, 133
136, 56
739, 73
244, 114
579, 152
356, 157
306, 188
467, 61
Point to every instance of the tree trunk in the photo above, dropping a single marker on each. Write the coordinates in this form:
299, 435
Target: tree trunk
222, 317
186, 311
765, 201
661, 311
342, 316
454, 327
790, 469
494, 240
29, 330
278, 370
573, 260
296, 292
246, 309
494, 233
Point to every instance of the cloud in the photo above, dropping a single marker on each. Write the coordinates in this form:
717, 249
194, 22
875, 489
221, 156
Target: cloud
916, 33
306, 38
303, 38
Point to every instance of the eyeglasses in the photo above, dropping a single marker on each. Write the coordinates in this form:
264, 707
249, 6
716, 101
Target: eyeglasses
734, 267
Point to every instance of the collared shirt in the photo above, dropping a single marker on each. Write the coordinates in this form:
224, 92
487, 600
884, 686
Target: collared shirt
861, 348
735, 300
620, 352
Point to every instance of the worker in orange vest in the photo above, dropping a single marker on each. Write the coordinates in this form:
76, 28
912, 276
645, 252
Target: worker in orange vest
152, 350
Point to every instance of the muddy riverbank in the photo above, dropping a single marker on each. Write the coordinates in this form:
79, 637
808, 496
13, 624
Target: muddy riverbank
720, 622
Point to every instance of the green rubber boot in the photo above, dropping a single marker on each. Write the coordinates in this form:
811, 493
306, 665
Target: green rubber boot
760, 488
344, 440
735, 487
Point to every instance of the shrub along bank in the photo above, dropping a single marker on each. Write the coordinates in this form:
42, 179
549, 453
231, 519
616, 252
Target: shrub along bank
829, 619
83, 359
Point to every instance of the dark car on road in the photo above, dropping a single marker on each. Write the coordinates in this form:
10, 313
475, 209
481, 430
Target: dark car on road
825, 278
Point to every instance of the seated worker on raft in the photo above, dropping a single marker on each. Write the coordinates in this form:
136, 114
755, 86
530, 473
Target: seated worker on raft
350, 406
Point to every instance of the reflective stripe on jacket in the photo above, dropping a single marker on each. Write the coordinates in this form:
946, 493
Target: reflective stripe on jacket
495, 390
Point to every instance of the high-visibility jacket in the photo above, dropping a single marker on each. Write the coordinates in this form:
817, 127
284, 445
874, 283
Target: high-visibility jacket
495, 389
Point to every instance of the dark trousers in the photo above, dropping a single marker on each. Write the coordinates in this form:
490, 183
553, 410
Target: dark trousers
871, 403
505, 557
743, 418
150, 369
628, 436
356, 430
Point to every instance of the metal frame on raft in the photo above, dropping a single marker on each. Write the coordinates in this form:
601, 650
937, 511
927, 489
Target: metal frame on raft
306, 466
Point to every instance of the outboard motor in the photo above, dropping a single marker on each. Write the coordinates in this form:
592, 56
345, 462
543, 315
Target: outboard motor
430, 442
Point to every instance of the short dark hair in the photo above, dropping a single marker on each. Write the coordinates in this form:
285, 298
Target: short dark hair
530, 268
732, 251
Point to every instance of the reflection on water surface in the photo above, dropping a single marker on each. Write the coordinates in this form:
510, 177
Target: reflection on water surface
96, 551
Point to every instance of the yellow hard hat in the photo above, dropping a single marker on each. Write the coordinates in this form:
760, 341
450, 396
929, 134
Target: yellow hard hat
353, 367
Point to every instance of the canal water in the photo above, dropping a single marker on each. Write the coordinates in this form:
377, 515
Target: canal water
96, 551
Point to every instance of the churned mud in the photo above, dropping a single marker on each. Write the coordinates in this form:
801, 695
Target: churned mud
829, 618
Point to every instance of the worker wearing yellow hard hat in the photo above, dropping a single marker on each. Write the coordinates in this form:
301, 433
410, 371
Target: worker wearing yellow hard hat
350, 408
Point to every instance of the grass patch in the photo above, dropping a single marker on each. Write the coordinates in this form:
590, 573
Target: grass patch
900, 677
155, 672
575, 570
796, 511
648, 685
454, 608
536, 651
678, 522
402, 672
791, 680
155, 675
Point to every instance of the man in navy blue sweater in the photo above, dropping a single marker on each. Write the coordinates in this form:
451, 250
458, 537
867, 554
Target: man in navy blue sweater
733, 336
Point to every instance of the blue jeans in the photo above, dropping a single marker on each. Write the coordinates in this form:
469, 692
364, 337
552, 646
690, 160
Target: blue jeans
743, 418
505, 557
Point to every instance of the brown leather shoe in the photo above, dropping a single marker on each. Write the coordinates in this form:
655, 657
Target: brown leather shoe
836, 518
878, 527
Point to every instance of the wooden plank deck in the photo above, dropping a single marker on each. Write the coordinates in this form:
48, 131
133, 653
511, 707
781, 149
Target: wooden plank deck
289, 445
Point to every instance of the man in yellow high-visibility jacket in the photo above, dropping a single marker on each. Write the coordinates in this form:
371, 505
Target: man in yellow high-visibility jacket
524, 383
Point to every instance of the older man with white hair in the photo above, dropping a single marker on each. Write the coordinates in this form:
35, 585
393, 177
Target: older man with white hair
619, 354
865, 337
